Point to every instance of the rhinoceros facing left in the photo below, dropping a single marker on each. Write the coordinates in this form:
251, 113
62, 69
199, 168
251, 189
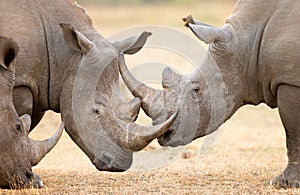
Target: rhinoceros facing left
257, 53
18, 153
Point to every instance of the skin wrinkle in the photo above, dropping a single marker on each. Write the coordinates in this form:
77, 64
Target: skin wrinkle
56, 63
47, 55
209, 67
66, 67
253, 72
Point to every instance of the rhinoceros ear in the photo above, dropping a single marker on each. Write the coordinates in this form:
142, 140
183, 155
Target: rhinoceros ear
207, 33
190, 20
132, 44
8, 53
76, 40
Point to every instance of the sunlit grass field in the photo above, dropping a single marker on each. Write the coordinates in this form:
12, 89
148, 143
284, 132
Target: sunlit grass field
249, 152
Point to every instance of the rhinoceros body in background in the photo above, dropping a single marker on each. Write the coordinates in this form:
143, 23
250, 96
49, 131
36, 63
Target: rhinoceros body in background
255, 57
17, 151
57, 41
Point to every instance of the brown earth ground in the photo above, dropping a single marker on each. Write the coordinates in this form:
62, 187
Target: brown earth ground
249, 152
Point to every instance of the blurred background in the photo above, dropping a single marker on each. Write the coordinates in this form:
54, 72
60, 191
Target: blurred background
110, 16
141, 2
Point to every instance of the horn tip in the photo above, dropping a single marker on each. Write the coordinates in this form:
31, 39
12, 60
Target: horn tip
148, 33
174, 115
171, 119
188, 20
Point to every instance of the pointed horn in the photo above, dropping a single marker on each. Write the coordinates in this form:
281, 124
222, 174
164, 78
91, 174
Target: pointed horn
129, 111
40, 148
138, 89
139, 137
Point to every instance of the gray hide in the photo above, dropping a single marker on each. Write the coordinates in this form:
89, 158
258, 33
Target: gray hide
61, 57
254, 58
17, 151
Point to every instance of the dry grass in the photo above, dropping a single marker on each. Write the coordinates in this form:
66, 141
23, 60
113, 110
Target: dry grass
250, 151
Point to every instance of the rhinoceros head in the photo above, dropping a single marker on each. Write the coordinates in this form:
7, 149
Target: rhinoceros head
18, 153
97, 118
189, 95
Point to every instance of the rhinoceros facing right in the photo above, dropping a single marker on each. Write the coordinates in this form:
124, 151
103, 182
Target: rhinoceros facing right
257, 53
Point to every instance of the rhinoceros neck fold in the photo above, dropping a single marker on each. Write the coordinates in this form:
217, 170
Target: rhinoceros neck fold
249, 29
62, 60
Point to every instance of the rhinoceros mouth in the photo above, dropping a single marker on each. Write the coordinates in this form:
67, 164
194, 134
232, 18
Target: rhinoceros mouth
20, 178
107, 166
166, 137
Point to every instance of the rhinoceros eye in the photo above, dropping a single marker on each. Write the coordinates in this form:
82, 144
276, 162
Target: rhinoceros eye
196, 90
196, 87
95, 110
18, 129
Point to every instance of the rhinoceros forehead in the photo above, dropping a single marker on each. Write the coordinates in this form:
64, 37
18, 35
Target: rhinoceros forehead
106, 49
94, 62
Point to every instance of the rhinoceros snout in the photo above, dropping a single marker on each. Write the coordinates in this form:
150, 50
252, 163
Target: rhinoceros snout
21, 178
106, 164
110, 169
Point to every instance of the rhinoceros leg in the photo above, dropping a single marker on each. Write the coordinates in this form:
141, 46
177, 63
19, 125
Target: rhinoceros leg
23, 101
289, 108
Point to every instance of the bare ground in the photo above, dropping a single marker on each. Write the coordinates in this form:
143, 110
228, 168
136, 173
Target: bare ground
250, 151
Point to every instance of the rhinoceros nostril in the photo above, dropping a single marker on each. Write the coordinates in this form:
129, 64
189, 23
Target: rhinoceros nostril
29, 175
95, 110
166, 137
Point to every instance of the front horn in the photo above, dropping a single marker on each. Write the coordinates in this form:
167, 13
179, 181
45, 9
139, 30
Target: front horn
39, 149
138, 136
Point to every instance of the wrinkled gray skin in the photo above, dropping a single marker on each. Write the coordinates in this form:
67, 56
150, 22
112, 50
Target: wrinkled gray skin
56, 40
257, 53
18, 153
